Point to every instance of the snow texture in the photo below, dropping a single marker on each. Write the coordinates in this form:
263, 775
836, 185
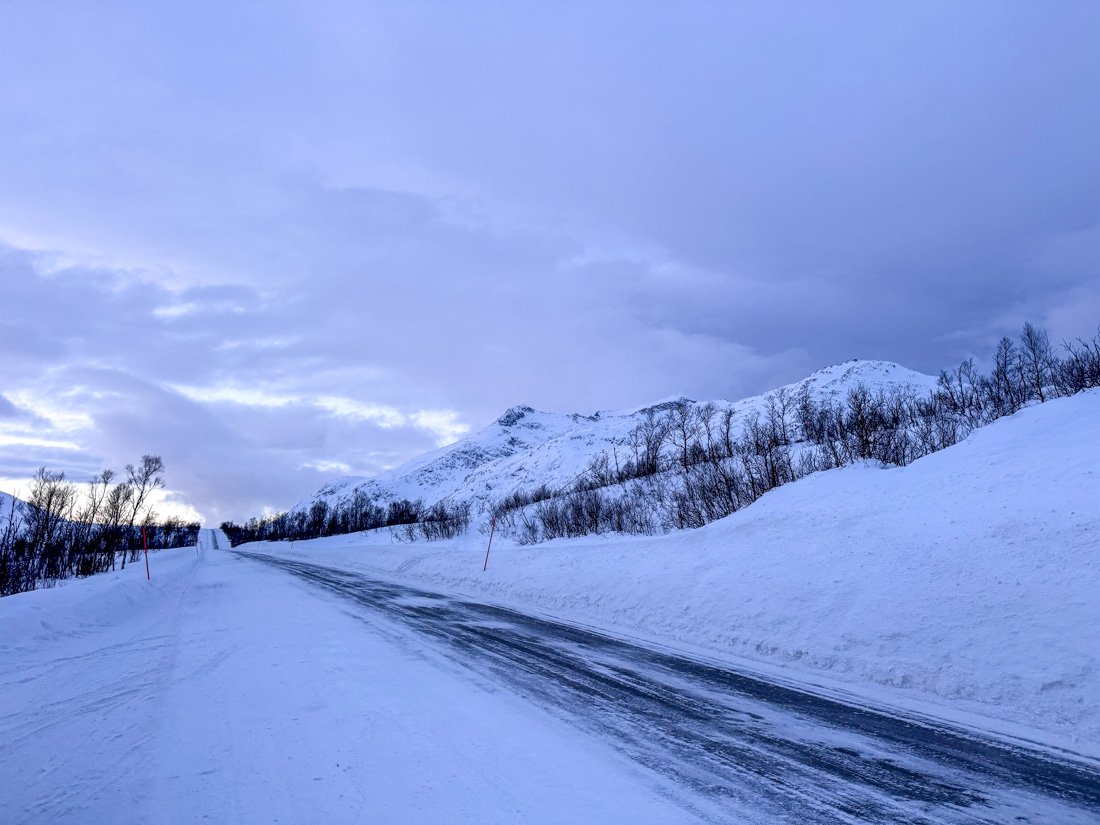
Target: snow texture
964, 585
224, 691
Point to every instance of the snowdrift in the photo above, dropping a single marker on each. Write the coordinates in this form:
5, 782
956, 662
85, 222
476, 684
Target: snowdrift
73, 609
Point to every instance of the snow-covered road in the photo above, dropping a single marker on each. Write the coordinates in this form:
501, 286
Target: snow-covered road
228, 691
726, 742
236, 687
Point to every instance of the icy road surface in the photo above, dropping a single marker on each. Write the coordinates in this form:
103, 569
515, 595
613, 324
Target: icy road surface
728, 746
235, 688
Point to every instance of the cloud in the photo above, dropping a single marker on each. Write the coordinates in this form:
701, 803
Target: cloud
278, 243
443, 424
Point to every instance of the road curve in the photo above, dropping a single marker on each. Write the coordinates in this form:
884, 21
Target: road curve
731, 746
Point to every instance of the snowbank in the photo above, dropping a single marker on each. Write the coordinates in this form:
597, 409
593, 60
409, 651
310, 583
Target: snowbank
966, 583
38, 617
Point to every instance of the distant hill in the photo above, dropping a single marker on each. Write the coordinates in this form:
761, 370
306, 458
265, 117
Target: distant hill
525, 448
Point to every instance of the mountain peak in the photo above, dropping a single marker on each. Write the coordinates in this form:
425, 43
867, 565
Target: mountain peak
514, 414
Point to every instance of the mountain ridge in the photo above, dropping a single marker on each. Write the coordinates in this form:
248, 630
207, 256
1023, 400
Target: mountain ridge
525, 447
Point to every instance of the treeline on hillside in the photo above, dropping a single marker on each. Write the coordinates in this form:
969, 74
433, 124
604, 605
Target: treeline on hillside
59, 533
694, 464
407, 520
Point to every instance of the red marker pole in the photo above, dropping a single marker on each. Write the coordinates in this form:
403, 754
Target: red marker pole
486, 567
146, 543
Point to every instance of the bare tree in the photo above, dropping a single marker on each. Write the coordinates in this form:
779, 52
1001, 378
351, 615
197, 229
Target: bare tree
143, 480
51, 504
683, 428
1081, 369
1037, 360
87, 528
780, 408
1002, 389
648, 440
117, 517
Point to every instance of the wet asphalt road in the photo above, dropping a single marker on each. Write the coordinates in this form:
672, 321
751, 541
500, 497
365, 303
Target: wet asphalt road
730, 746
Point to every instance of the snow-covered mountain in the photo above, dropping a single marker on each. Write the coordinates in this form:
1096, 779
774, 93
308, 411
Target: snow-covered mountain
526, 448
966, 579
10, 510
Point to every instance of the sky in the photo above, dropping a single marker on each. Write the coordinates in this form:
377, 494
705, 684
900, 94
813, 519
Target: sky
276, 243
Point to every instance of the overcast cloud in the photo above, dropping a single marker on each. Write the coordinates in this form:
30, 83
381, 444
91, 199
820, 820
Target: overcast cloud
280, 242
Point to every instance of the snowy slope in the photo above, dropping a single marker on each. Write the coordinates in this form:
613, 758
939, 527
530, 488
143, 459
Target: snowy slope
525, 448
8, 513
966, 582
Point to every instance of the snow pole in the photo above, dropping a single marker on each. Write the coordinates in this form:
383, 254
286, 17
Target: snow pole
486, 567
146, 544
